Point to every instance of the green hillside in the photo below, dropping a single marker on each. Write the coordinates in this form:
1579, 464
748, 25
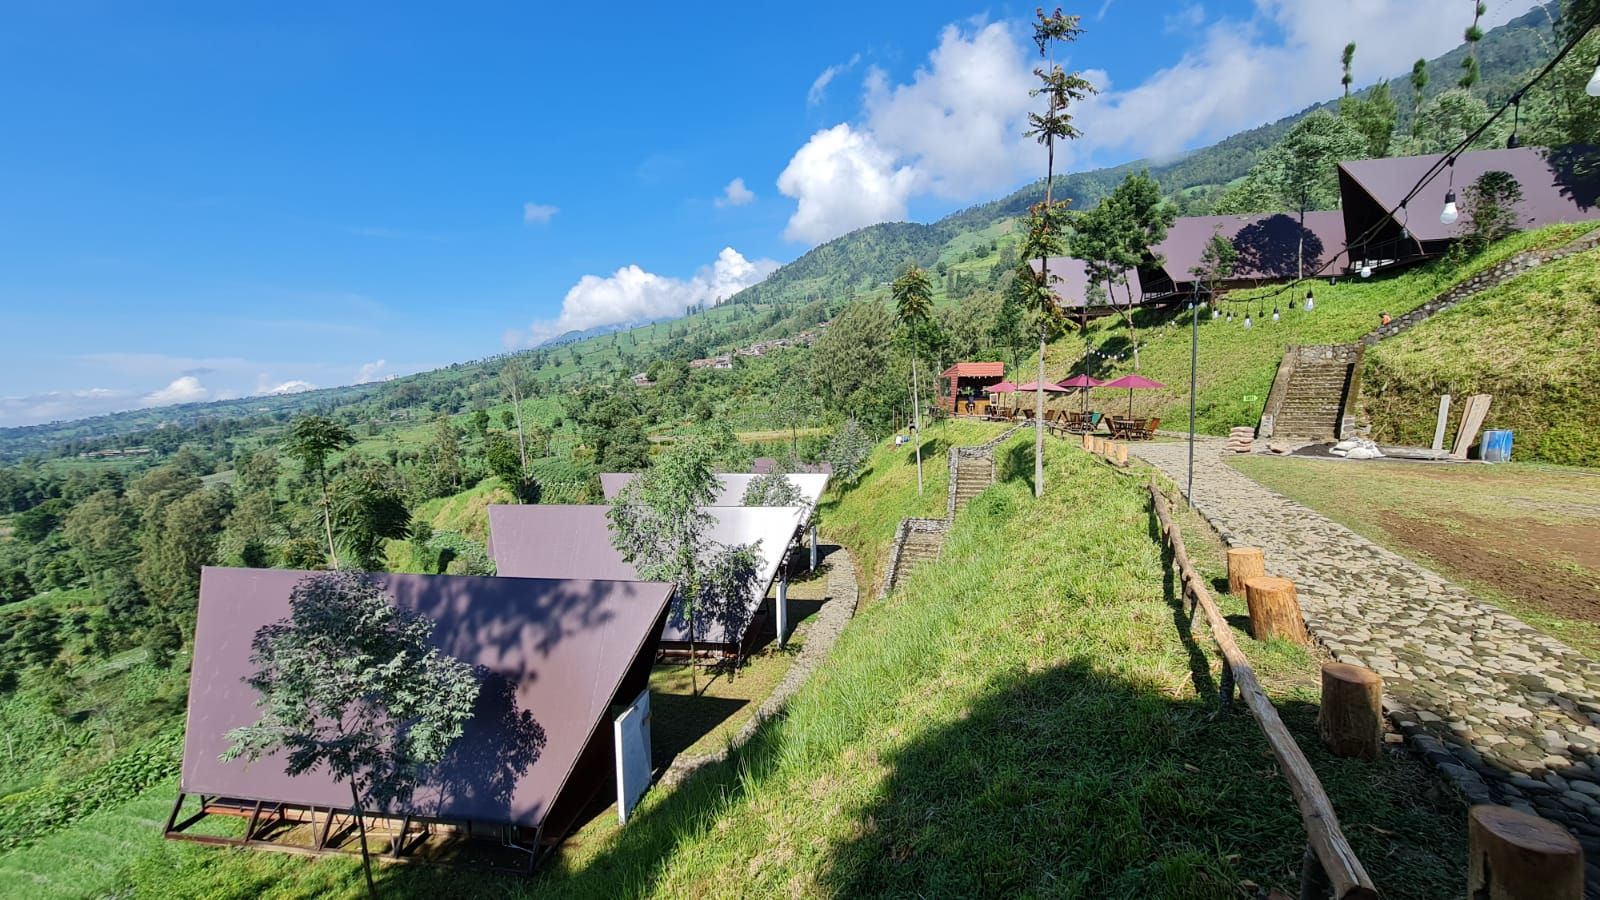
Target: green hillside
1531, 343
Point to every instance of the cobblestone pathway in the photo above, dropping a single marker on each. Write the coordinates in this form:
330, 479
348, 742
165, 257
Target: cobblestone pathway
1509, 715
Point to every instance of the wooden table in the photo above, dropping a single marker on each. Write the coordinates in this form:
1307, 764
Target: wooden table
1124, 428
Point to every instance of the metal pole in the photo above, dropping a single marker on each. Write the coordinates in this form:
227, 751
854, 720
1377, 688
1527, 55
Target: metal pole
1194, 368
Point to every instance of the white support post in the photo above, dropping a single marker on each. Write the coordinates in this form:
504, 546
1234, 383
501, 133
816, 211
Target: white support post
813, 546
631, 729
1444, 419
782, 606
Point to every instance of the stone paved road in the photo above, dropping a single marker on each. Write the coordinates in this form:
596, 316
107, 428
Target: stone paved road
1509, 715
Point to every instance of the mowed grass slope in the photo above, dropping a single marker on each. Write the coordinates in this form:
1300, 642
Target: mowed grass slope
1533, 343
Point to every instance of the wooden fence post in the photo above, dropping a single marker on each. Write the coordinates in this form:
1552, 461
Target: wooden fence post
1244, 563
1275, 610
1350, 721
1514, 856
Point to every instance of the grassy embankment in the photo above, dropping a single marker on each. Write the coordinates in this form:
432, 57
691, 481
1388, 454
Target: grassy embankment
1236, 365
1534, 344
1029, 715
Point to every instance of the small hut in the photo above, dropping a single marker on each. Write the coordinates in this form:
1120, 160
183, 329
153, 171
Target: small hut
970, 381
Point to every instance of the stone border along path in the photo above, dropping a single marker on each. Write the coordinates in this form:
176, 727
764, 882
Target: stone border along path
821, 634
938, 527
1509, 715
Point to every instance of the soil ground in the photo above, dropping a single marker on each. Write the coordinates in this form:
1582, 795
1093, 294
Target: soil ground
1526, 536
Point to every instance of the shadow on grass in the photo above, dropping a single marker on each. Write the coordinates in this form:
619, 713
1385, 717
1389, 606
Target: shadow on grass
932, 450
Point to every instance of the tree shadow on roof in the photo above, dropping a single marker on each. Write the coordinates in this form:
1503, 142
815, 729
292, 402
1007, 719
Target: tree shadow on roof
1268, 247
1577, 173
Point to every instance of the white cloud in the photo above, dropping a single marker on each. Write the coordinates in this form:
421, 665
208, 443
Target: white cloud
295, 386
183, 389
538, 213
1243, 73
955, 129
632, 294
735, 194
371, 371
61, 405
843, 180
819, 87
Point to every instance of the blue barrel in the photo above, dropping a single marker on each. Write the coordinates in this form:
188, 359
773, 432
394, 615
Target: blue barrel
1496, 446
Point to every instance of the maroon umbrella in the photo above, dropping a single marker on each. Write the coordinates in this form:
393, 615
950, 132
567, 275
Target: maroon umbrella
1048, 387
1132, 383
1083, 383
1004, 387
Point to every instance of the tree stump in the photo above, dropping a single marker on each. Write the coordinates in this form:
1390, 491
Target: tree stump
1275, 610
1515, 856
1122, 454
1350, 721
1244, 563
1088, 441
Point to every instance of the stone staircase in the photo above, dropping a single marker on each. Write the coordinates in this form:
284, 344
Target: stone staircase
1313, 401
918, 541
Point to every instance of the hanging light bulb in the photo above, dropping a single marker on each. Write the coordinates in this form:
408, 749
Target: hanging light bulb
1216, 313
1450, 214
1230, 318
1593, 87
1274, 312
1311, 302
1247, 319
1366, 269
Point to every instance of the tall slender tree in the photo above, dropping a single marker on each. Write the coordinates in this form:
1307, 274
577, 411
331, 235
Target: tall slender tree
1061, 89
1473, 34
312, 439
1302, 168
1419, 83
913, 304
1346, 59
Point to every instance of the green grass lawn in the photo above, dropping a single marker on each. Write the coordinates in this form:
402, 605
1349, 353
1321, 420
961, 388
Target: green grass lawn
1524, 537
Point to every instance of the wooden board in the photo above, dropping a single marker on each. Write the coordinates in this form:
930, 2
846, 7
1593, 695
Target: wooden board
1473, 412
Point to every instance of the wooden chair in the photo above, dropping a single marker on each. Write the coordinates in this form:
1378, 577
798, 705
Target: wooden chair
1148, 432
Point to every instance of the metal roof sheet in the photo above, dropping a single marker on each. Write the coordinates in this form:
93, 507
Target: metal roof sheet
554, 653
553, 541
732, 485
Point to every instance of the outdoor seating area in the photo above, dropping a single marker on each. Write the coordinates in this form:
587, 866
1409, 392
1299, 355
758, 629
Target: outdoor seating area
1011, 402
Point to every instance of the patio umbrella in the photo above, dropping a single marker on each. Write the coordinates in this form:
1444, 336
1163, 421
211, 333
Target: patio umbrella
1083, 383
1048, 388
1004, 387
1133, 383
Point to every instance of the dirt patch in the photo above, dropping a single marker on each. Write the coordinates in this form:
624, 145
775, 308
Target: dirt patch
1553, 567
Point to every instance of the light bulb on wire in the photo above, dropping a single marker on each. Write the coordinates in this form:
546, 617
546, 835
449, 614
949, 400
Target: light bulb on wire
1366, 269
1311, 302
1450, 214
1274, 312
1247, 319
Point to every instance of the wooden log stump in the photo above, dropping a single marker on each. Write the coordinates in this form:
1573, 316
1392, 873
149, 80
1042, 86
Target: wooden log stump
1514, 856
1350, 721
1244, 563
1122, 454
1088, 441
1275, 610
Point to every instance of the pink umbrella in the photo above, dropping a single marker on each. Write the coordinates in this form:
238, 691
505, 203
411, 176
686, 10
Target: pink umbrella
1048, 387
1132, 383
1004, 387
1082, 382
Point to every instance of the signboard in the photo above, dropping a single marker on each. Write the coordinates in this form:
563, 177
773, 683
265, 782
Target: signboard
632, 731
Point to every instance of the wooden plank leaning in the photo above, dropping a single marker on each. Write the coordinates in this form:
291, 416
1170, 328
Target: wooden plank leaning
1327, 842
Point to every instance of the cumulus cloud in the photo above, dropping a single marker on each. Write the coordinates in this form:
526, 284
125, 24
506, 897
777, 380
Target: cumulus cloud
843, 179
819, 87
735, 194
294, 386
52, 406
632, 294
183, 389
371, 371
538, 213
954, 130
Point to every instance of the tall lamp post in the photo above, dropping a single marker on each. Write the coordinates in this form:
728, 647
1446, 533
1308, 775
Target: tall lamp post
1194, 368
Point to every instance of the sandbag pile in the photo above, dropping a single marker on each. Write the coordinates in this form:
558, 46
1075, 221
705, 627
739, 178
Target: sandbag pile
1356, 448
1241, 439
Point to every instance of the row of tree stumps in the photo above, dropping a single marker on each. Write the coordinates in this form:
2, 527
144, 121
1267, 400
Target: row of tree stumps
1511, 855
1112, 451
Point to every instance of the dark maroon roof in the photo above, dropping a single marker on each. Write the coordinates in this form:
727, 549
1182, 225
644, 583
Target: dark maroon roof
556, 655
1557, 186
554, 541
1069, 278
1267, 243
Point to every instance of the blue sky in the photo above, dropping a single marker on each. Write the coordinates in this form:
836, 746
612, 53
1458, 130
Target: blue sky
209, 200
